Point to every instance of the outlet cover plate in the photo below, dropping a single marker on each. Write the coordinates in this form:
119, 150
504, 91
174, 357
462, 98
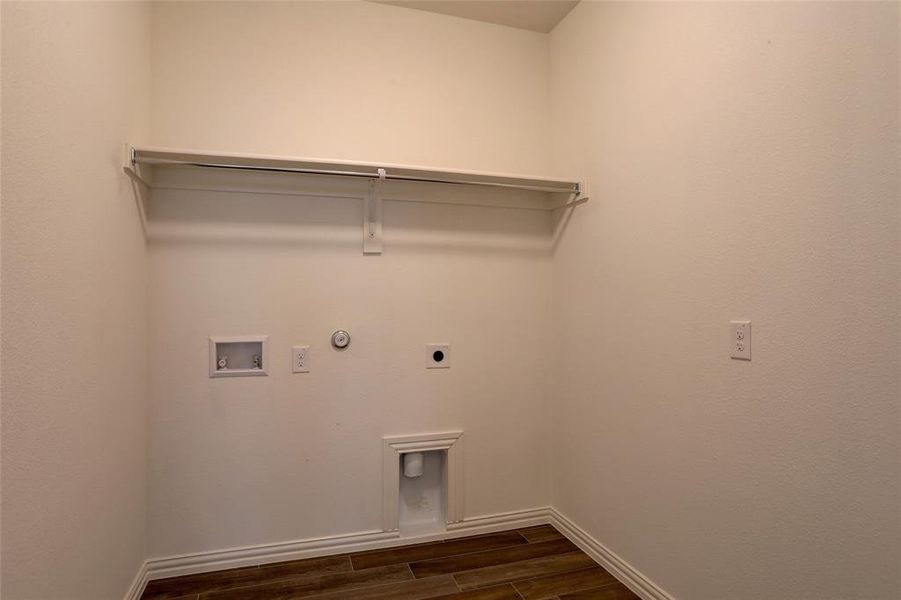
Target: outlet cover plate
740, 340
300, 359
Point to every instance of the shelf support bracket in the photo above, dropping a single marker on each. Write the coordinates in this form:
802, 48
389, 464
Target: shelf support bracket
580, 196
130, 166
372, 217
140, 185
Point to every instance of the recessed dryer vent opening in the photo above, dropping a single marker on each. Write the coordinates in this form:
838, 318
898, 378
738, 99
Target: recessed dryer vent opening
423, 492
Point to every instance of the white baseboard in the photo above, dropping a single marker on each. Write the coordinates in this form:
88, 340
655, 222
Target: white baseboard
619, 568
246, 556
202, 562
501, 521
137, 586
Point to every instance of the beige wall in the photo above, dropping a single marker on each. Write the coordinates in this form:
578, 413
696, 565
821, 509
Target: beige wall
246, 461
744, 159
744, 163
75, 87
349, 80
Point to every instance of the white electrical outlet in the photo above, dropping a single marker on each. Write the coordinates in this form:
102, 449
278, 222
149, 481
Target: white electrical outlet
437, 356
740, 339
300, 359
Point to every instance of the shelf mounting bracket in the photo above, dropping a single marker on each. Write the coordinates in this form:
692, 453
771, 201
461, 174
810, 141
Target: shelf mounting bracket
579, 196
130, 166
372, 216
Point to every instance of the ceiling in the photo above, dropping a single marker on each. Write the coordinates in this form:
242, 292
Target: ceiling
535, 15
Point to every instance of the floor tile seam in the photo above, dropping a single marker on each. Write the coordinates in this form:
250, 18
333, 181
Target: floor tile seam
524, 560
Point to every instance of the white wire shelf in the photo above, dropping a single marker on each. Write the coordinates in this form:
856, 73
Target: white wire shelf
377, 171
385, 182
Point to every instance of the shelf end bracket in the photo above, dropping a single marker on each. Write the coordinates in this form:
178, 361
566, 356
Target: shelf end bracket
577, 196
372, 216
130, 166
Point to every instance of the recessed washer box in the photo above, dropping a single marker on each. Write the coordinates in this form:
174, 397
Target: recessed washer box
239, 356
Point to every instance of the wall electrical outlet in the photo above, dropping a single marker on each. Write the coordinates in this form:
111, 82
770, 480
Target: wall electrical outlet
740, 339
300, 359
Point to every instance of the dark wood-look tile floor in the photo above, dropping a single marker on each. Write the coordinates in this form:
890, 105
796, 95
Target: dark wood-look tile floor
536, 563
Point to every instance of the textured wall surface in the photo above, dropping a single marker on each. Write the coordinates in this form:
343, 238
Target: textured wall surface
244, 461
744, 159
351, 80
75, 88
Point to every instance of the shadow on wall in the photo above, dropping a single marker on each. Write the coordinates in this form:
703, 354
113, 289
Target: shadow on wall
208, 207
